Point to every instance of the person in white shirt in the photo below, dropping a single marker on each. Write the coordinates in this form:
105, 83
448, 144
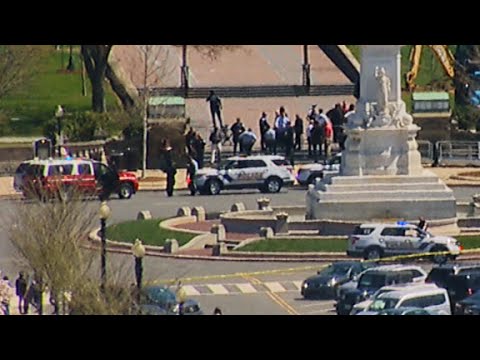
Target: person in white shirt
281, 127
309, 137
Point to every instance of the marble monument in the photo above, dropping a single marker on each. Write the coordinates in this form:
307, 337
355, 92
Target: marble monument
382, 176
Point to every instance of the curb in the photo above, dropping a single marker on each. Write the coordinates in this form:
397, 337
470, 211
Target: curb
125, 248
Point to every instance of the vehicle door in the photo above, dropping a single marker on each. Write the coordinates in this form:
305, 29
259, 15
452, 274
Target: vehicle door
60, 176
409, 241
86, 178
106, 179
234, 173
254, 172
392, 238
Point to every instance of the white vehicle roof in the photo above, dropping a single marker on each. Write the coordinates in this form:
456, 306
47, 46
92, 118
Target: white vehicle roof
413, 292
375, 225
396, 267
257, 157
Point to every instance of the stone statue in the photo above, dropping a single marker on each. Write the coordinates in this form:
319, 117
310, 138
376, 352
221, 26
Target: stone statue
384, 89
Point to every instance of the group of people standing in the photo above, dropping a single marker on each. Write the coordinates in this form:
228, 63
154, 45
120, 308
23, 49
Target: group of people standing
27, 293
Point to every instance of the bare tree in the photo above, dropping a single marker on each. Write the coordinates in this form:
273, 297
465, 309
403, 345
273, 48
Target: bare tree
49, 237
18, 65
155, 70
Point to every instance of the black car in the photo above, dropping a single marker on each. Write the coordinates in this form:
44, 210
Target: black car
439, 274
461, 281
159, 300
325, 283
469, 306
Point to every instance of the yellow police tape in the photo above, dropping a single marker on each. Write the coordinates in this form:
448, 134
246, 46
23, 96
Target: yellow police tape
306, 268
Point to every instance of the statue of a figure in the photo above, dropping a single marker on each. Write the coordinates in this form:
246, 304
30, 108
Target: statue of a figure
384, 89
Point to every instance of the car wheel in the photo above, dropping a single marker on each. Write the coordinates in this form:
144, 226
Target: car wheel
273, 185
439, 259
373, 253
214, 187
125, 191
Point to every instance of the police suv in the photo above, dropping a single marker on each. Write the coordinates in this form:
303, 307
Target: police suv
266, 173
373, 241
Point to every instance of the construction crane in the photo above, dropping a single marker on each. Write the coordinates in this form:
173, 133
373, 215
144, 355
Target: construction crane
443, 54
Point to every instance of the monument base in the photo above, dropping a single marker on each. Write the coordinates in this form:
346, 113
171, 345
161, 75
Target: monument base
384, 199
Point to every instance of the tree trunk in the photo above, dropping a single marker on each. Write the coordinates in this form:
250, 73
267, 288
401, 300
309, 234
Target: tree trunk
95, 58
98, 94
128, 102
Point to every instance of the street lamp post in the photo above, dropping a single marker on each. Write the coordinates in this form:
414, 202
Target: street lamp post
104, 214
59, 114
138, 251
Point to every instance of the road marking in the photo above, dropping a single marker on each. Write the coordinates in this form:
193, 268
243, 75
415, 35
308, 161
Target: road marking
329, 304
319, 312
276, 298
218, 289
274, 287
298, 284
190, 290
246, 288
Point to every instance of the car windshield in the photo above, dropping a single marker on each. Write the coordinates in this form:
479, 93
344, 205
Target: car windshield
336, 269
372, 280
383, 304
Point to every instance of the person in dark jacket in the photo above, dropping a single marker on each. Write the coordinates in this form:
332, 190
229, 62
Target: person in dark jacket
199, 150
215, 108
170, 169
237, 129
264, 127
318, 136
289, 140
337, 117
191, 172
298, 132
189, 139
21, 291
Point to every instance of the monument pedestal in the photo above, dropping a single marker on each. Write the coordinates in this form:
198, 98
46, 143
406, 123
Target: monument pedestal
382, 151
365, 198
381, 177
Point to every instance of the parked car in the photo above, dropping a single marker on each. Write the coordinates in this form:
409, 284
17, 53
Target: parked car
462, 286
435, 300
469, 306
268, 173
362, 306
374, 279
64, 176
439, 274
325, 283
308, 173
160, 300
374, 241
406, 311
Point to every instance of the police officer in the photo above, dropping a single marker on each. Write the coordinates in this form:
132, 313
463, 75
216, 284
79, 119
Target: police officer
170, 170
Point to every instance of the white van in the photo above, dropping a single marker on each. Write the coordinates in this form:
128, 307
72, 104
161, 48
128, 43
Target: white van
435, 300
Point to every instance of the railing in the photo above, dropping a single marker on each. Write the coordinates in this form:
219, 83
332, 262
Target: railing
458, 152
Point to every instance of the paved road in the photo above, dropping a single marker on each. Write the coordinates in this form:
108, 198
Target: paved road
261, 294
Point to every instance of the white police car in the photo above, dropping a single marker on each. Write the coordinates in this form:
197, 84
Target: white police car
266, 173
373, 241
308, 173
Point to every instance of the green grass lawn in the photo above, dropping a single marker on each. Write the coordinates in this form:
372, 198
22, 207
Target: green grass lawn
328, 245
146, 230
32, 106
297, 245
469, 242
